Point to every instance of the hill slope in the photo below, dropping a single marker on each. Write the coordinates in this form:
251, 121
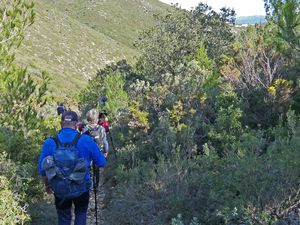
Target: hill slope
118, 19
70, 49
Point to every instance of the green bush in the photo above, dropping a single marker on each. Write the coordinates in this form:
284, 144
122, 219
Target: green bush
13, 209
253, 188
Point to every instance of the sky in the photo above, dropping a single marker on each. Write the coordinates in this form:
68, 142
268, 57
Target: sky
242, 7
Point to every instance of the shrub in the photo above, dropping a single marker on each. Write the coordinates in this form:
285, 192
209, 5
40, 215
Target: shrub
12, 206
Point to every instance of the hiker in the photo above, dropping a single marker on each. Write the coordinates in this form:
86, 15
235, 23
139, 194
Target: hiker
81, 125
61, 109
96, 131
103, 121
64, 165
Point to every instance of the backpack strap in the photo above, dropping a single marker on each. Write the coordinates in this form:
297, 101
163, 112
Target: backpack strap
56, 140
73, 143
86, 131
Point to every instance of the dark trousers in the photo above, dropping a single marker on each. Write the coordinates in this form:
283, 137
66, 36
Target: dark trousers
64, 207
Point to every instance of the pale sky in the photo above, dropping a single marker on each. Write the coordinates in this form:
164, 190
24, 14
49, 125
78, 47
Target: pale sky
241, 7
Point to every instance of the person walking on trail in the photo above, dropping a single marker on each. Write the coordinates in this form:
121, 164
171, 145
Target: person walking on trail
96, 131
61, 109
103, 121
64, 165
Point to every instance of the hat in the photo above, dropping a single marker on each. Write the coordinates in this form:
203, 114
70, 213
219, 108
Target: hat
69, 116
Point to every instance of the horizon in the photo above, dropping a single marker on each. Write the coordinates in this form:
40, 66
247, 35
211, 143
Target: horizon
241, 7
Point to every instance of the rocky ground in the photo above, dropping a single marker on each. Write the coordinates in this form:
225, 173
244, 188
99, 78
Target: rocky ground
292, 219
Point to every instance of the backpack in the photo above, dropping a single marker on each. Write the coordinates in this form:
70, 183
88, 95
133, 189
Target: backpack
97, 133
65, 170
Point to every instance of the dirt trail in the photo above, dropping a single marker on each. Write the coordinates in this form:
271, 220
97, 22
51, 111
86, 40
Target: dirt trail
91, 218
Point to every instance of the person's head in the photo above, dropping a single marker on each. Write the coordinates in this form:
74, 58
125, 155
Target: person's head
102, 114
69, 119
92, 116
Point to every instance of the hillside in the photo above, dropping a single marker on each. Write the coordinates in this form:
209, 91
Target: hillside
70, 42
119, 19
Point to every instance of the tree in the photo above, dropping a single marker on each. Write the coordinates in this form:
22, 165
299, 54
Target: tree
21, 94
15, 17
175, 40
21, 97
286, 15
255, 64
108, 82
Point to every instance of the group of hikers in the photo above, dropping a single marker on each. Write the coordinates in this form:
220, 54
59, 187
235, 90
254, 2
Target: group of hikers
69, 160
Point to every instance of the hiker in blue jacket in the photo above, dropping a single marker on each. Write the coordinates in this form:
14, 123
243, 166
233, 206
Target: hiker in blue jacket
87, 150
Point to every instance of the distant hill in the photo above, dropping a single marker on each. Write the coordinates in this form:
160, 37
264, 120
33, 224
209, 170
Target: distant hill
250, 20
71, 39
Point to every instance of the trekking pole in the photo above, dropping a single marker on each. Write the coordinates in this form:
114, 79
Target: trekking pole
112, 143
95, 191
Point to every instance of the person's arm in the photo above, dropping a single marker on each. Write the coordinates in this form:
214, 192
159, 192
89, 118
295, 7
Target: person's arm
96, 153
46, 151
105, 145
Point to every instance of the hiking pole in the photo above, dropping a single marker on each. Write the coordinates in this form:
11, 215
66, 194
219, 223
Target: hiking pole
112, 143
95, 190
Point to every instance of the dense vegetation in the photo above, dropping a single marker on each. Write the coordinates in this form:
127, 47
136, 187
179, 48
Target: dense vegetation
205, 121
211, 134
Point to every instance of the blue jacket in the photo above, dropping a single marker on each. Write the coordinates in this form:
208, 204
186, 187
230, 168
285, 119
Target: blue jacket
88, 149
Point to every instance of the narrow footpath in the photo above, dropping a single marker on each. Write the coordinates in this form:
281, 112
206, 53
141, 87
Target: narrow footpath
91, 218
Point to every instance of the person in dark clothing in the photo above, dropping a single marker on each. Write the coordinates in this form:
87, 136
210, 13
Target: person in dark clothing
87, 150
61, 109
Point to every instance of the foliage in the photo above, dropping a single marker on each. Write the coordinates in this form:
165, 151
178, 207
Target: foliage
11, 211
284, 27
13, 208
247, 188
22, 127
286, 16
114, 91
227, 127
255, 68
109, 82
21, 95
15, 16
257, 64
215, 28
204, 138
178, 221
166, 47
139, 116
